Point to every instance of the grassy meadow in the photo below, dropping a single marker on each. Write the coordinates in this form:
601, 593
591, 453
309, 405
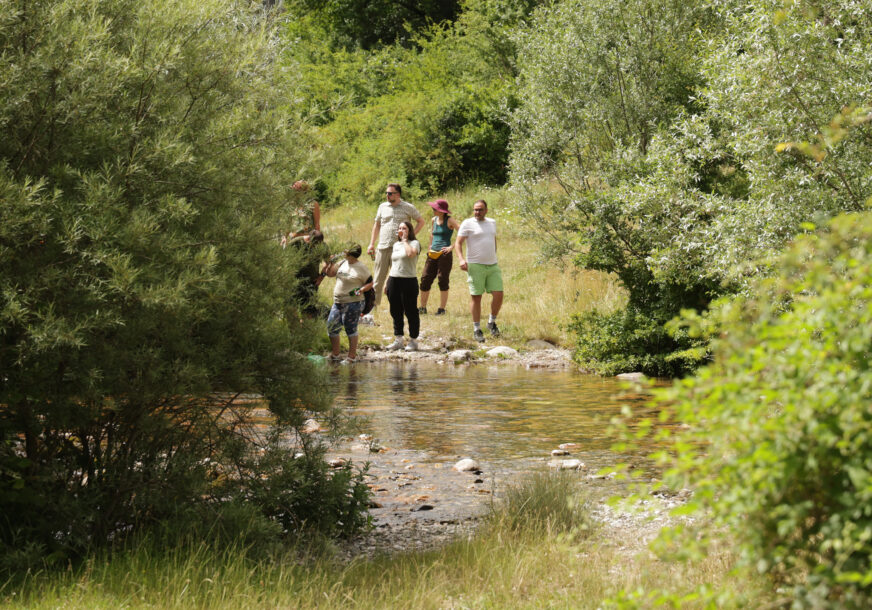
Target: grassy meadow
540, 296
538, 550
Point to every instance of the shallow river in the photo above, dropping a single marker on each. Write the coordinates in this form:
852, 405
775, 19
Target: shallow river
501, 413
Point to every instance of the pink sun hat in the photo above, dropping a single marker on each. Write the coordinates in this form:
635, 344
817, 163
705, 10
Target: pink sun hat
440, 205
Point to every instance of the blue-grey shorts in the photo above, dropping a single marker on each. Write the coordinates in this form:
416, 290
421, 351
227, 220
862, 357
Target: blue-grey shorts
345, 315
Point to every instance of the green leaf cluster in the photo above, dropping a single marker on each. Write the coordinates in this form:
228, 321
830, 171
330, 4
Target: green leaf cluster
672, 143
146, 159
430, 115
776, 439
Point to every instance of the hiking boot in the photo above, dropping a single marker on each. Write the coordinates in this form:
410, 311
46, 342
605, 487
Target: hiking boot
478, 335
422, 311
440, 312
397, 344
492, 327
412, 346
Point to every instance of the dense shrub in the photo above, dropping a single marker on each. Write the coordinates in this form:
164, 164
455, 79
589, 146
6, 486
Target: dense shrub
778, 433
146, 158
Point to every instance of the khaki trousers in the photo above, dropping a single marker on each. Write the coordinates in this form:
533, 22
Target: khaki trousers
380, 271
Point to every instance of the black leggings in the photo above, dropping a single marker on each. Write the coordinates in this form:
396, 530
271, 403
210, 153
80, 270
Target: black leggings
403, 296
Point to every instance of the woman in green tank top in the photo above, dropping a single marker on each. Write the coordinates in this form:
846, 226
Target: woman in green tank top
439, 257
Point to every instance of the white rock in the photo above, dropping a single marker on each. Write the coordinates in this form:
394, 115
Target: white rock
365, 437
559, 452
566, 464
568, 446
466, 465
503, 351
459, 355
310, 426
336, 463
631, 376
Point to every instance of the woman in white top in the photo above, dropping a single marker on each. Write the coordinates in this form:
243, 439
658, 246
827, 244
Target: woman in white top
402, 287
351, 282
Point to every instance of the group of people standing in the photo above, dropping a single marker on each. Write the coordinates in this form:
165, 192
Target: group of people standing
394, 249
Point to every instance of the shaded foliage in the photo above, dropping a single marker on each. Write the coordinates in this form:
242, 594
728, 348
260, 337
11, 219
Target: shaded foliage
146, 156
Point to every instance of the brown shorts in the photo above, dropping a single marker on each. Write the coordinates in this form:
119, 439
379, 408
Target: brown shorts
437, 266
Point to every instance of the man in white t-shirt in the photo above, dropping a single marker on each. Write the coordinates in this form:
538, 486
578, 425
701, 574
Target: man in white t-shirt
480, 263
388, 218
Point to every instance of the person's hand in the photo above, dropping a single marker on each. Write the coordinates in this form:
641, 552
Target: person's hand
464, 266
371, 251
446, 249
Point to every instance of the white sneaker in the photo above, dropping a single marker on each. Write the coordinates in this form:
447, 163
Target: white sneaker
412, 346
397, 344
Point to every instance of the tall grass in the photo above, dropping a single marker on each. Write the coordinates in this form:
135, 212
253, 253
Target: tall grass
540, 296
536, 550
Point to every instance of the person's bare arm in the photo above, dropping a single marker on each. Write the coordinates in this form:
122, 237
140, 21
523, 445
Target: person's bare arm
316, 215
452, 224
458, 246
376, 226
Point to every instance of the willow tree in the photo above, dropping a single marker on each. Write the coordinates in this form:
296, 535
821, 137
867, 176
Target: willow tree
672, 137
147, 149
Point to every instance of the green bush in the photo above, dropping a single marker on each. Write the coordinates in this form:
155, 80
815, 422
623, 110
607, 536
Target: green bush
627, 341
146, 160
778, 439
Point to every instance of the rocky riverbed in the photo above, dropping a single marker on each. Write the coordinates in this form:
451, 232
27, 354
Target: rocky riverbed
421, 501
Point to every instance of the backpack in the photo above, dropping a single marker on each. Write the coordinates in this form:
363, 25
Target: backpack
368, 298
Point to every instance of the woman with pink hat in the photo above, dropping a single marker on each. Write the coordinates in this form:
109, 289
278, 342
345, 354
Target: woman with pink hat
439, 257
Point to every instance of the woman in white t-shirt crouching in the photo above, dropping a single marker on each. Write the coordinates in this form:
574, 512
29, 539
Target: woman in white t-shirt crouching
351, 276
402, 287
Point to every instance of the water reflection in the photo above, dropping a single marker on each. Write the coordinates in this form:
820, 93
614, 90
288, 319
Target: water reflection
502, 412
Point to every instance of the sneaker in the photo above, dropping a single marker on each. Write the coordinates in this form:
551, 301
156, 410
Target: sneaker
333, 358
492, 327
422, 311
349, 360
412, 346
440, 312
479, 336
397, 344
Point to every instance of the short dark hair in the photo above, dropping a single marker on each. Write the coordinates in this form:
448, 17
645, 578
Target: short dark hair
354, 251
396, 187
481, 201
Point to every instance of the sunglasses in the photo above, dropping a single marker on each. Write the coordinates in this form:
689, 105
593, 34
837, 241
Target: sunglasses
390, 192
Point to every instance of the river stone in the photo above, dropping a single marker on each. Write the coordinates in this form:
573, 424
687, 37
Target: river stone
631, 376
540, 344
566, 464
459, 355
502, 351
466, 465
336, 463
568, 446
559, 452
310, 426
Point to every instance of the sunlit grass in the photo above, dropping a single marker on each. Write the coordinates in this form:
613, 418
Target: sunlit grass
540, 296
554, 558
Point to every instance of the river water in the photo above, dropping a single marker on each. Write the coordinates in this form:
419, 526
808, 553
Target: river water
499, 412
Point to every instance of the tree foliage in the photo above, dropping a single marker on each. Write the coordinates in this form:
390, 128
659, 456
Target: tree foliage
665, 129
786, 464
430, 115
147, 150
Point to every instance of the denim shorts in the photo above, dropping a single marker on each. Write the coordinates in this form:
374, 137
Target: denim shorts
345, 315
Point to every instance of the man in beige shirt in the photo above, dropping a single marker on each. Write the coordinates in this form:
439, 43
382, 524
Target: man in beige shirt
388, 218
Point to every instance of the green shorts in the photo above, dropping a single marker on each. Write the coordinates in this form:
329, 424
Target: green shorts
484, 278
